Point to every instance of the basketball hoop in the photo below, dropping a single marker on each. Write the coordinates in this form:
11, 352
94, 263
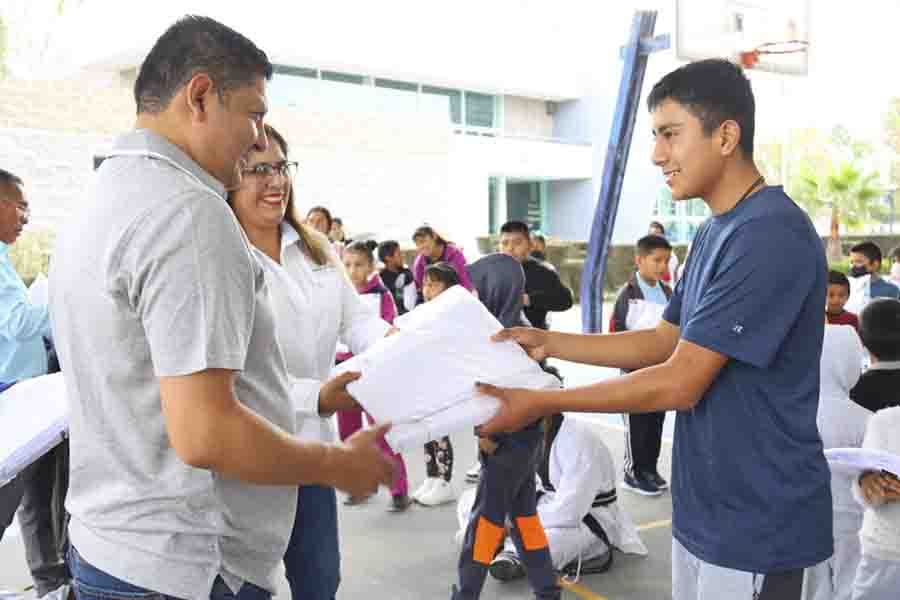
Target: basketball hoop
749, 59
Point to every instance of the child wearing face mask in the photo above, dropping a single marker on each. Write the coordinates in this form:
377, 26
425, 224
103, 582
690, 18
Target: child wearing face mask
359, 262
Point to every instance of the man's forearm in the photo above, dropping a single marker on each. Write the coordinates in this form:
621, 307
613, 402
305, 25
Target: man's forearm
648, 390
628, 350
251, 449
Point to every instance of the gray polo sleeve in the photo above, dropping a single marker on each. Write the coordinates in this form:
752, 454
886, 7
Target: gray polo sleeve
192, 283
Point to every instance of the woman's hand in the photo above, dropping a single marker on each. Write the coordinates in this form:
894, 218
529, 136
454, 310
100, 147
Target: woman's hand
333, 396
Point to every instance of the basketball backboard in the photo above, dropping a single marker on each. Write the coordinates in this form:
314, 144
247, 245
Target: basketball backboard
765, 35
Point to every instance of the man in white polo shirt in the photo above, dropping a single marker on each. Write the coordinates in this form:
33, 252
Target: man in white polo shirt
184, 469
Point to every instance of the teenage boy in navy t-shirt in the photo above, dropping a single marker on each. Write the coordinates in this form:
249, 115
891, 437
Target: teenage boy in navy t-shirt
750, 485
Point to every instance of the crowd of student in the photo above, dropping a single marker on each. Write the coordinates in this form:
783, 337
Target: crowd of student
208, 304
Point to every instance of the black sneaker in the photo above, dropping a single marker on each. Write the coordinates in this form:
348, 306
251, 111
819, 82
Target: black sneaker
658, 479
399, 503
639, 484
506, 567
598, 564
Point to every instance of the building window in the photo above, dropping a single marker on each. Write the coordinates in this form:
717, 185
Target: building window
681, 219
479, 110
343, 77
526, 201
393, 84
295, 71
455, 97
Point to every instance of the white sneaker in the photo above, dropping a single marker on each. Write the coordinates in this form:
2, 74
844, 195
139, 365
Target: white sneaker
425, 488
440, 493
473, 474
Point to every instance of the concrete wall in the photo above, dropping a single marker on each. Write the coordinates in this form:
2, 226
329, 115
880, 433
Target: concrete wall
526, 117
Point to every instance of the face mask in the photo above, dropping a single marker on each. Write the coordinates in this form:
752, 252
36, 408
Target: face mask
895, 271
857, 271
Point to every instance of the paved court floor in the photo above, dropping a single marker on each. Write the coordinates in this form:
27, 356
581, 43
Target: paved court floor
413, 556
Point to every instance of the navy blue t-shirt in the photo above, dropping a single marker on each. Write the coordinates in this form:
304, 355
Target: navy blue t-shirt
750, 484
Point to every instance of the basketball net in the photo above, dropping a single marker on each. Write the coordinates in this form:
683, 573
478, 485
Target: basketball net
750, 58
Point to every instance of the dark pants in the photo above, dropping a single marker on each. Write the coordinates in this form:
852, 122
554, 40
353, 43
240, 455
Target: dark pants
39, 494
312, 562
91, 583
439, 459
506, 489
643, 441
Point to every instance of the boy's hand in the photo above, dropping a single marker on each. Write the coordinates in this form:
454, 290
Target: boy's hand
879, 487
518, 408
358, 466
531, 339
333, 396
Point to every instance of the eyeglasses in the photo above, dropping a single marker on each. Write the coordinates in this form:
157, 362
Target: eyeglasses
286, 169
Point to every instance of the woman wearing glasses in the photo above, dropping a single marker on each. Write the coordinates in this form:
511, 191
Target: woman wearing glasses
315, 305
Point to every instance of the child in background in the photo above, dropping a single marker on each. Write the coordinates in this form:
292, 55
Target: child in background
643, 432
436, 489
397, 277
878, 574
842, 424
359, 262
879, 328
431, 247
838, 294
506, 491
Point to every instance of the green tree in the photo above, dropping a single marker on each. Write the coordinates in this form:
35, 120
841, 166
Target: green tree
892, 133
848, 192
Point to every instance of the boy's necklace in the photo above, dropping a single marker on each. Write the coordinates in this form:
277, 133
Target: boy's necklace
760, 180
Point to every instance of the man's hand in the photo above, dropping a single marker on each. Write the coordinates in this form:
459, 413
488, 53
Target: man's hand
879, 487
518, 408
532, 340
358, 466
333, 396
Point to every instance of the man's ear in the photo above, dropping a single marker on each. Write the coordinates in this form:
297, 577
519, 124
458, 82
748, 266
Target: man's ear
729, 137
199, 92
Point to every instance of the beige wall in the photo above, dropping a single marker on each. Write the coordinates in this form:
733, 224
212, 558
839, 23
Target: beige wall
526, 117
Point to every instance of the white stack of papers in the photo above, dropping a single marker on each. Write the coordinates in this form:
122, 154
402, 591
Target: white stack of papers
854, 461
422, 379
33, 418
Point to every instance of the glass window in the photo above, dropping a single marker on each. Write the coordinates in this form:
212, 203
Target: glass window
479, 110
295, 71
397, 85
455, 97
343, 77
696, 207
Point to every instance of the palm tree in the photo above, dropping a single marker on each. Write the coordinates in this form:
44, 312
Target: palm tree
848, 192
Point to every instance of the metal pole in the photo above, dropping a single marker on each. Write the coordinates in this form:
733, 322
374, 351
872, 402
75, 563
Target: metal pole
634, 54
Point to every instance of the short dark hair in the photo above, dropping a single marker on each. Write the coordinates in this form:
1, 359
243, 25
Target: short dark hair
516, 227
366, 248
657, 225
868, 249
649, 243
428, 231
8, 179
443, 272
838, 278
539, 237
387, 248
338, 220
879, 328
713, 90
193, 45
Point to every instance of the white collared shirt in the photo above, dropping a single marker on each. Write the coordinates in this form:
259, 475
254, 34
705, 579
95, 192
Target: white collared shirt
315, 307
